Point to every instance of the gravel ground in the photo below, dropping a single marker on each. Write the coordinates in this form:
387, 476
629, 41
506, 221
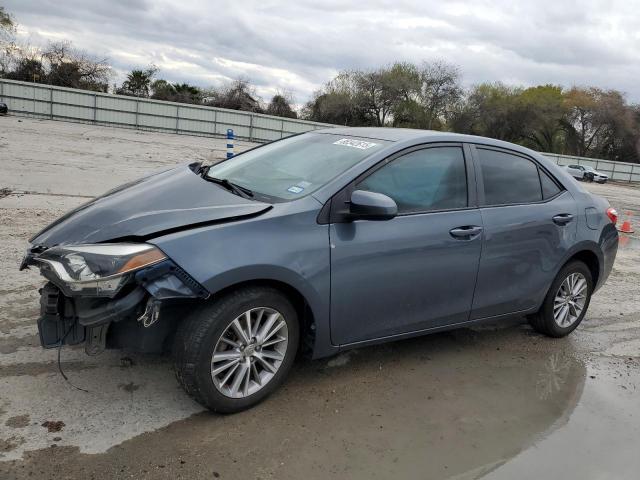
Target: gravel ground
498, 402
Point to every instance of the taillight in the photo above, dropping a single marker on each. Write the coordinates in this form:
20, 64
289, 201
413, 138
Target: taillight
613, 215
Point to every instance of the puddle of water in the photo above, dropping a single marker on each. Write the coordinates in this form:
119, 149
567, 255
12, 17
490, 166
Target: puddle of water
600, 440
433, 407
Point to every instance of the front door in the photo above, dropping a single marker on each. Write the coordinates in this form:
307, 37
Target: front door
418, 270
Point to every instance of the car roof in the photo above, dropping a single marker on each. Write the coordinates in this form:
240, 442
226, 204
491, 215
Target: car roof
412, 135
379, 133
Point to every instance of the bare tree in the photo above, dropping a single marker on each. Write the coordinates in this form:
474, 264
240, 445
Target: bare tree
70, 67
440, 91
7, 41
236, 95
7, 25
338, 102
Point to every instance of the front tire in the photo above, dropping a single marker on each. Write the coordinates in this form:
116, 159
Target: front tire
566, 302
231, 354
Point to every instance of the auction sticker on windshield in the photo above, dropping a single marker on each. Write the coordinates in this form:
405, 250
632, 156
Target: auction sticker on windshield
350, 142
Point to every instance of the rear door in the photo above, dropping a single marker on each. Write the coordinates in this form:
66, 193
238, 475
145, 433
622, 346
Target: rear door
529, 223
411, 272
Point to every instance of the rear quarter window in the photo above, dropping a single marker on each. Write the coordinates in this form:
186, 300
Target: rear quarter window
508, 179
549, 187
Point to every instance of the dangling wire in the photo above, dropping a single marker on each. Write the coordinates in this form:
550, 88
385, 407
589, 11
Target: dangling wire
60, 343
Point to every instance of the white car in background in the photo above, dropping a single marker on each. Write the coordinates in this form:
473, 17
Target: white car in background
585, 172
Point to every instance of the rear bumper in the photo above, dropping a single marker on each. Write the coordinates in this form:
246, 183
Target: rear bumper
609, 246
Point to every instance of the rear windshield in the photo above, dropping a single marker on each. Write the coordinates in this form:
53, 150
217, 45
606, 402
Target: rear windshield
296, 166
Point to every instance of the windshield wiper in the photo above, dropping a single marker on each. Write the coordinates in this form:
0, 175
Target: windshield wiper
243, 192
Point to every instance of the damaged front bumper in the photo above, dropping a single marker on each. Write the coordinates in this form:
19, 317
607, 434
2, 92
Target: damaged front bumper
128, 320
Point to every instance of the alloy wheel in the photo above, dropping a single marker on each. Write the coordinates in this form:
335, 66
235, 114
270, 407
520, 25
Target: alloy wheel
570, 300
249, 352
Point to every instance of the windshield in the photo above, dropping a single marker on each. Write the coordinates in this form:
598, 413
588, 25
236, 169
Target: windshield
589, 169
296, 166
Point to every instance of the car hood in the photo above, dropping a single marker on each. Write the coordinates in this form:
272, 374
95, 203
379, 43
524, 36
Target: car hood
161, 203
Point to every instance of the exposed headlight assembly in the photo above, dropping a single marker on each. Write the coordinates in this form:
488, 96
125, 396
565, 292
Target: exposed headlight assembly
97, 269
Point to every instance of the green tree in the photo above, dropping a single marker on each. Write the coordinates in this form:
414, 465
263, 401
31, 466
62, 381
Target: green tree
28, 70
138, 82
162, 90
185, 93
599, 123
280, 106
492, 110
175, 92
543, 130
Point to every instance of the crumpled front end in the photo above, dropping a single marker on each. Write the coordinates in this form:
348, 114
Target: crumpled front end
109, 295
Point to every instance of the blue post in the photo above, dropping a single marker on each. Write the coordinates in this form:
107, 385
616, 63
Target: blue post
229, 143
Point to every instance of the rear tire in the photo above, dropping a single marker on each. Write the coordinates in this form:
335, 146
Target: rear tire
563, 309
211, 330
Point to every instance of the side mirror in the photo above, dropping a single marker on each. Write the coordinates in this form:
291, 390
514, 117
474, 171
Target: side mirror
366, 205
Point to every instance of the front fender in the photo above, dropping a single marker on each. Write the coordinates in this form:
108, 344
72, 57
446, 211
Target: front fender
284, 246
265, 272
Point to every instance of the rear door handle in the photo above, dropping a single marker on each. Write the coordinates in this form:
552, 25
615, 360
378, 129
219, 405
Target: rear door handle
466, 233
562, 218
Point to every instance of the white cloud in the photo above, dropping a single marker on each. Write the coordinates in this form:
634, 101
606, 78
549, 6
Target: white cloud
298, 45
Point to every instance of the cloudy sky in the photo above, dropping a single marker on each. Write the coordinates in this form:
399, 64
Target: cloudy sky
300, 44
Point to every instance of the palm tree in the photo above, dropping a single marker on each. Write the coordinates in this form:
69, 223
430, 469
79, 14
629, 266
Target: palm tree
185, 93
138, 82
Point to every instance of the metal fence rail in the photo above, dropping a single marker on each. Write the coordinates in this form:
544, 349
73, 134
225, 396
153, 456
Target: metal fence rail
57, 103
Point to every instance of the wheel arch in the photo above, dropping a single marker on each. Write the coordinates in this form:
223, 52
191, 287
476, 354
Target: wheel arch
300, 303
586, 252
590, 259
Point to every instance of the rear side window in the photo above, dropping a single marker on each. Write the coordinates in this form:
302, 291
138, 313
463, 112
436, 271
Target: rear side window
508, 179
549, 187
424, 180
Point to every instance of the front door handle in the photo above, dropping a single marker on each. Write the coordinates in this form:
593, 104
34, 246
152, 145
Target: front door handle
466, 233
562, 218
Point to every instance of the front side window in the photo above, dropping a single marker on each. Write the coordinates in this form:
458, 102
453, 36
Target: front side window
423, 180
508, 179
296, 166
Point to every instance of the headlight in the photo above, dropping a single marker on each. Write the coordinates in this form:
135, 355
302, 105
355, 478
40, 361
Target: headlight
99, 269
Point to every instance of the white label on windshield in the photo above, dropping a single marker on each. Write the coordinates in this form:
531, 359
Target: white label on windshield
350, 142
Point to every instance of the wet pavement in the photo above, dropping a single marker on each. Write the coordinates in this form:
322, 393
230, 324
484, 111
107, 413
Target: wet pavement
495, 402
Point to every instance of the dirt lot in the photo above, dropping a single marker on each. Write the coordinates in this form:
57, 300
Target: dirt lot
497, 402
